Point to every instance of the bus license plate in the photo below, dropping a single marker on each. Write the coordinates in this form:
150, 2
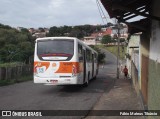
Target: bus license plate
54, 81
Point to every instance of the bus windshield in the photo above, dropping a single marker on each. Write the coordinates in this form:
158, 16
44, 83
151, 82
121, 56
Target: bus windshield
55, 48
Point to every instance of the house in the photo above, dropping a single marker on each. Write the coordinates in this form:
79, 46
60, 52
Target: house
32, 30
38, 33
19, 28
112, 32
147, 80
89, 40
123, 32
104, 31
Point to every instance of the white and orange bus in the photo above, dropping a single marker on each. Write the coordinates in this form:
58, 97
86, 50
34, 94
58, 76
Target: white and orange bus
64, 61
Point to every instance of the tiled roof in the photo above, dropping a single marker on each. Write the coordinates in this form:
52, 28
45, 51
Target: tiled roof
102, 33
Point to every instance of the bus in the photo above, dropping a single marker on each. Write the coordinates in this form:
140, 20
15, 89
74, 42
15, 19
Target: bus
64, 61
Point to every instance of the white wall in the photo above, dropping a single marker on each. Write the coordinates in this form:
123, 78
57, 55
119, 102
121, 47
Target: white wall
133, 42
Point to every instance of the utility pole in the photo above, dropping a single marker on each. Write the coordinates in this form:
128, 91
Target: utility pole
118, 27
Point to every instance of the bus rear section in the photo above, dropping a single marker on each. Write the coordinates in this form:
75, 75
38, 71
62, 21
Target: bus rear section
55, 61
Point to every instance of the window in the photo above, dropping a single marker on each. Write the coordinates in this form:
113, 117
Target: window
80, 55
95, 57
88, 55
56, 48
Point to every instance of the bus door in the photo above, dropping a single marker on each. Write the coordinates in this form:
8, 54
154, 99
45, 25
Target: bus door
84, 65
92, 65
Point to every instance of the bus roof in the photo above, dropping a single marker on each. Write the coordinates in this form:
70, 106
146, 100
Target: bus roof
74, 38
46, 38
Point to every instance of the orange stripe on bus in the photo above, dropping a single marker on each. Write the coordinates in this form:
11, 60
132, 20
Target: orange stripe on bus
41, 64
69, 67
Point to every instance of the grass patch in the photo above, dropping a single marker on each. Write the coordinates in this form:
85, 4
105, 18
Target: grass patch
11, 64
25, 78
9, 82
6, 82
114, 50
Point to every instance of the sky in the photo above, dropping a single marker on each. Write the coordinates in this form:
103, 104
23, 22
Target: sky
48, 13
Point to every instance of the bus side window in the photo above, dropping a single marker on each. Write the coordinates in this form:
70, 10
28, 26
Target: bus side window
95, 58
90, 56
80, 56
87, 55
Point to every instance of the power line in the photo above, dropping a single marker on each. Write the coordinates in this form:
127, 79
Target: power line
101, 10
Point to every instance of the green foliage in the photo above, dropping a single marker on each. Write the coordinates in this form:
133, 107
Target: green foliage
6, 82
11, 64
5, 26
21, 79
54, 31
122, 40
18, 46
101, 55
114, 50
15, 45
76, 31
106, 39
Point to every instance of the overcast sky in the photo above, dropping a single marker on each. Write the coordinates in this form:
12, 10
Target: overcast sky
47, 13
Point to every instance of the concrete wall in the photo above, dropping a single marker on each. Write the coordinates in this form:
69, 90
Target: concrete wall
133, 42
134, 74
154, 62
154, 69
133, 63
144, 54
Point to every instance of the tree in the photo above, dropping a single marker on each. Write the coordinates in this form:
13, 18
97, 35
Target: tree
101, 55
122, 40
5, 26
76, 33
26, 51
54, 31
106, 39
15, 45
65, 29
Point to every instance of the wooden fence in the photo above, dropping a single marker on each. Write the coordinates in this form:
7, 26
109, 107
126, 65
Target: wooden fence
14, 73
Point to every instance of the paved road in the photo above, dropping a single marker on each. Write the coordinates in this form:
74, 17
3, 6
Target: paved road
30, 96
